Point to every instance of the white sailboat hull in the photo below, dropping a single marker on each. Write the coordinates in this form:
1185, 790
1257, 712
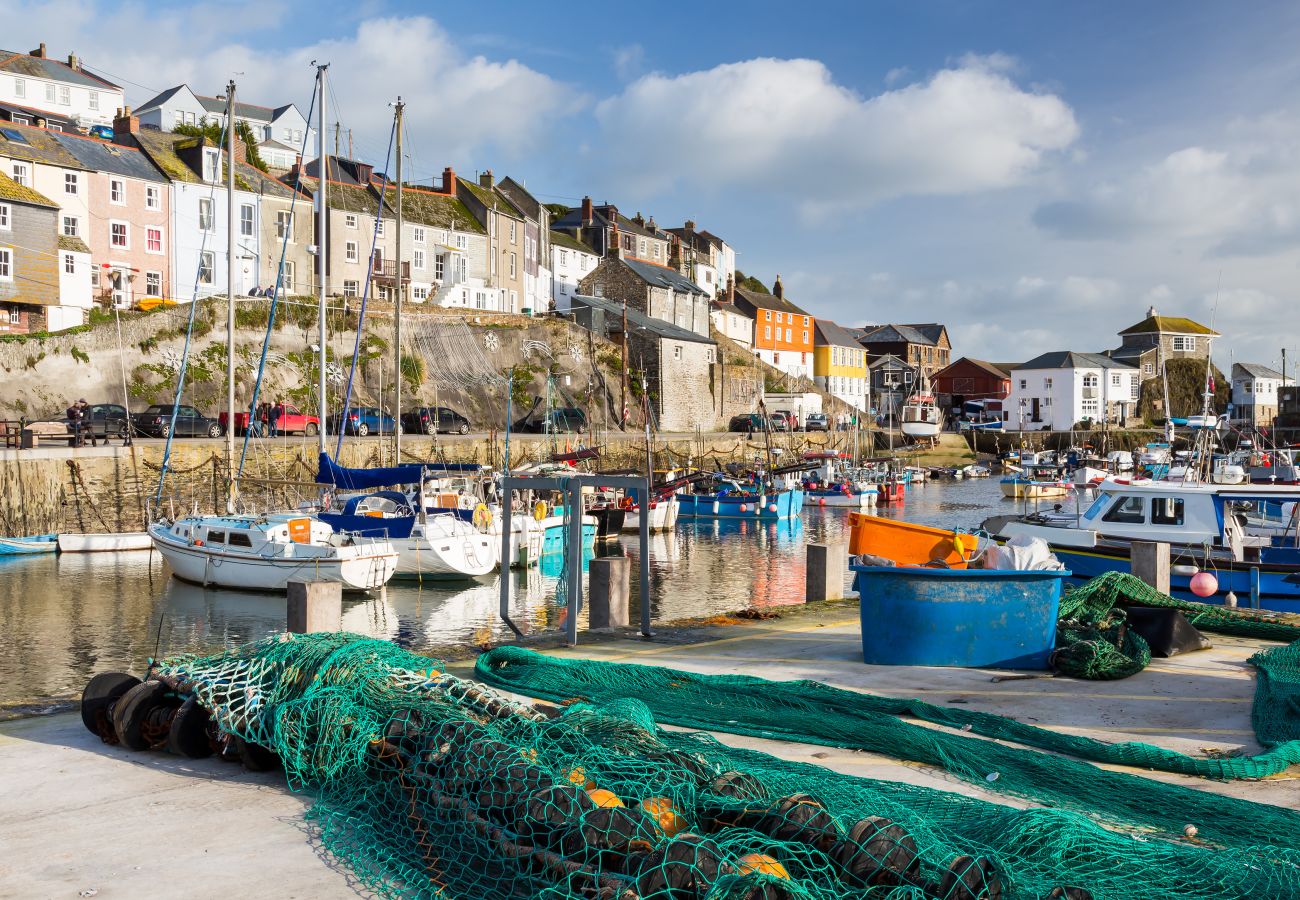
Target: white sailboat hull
921, 429
446, 547
527, 539
359, 568
104, 543
663, 517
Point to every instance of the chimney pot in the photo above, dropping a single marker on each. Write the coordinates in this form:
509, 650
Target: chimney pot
690, 226
485, 180
125, 124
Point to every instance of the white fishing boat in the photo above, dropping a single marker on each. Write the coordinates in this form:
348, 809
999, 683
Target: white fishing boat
663, 516
920, 414
267, 552
104, 543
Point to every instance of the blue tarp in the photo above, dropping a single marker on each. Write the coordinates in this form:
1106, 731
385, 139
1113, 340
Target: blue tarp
367, 479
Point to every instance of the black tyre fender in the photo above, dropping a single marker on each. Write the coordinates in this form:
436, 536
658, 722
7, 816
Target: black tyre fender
970, 878
133, 709
683, 868
876, 851
255, 757
97, 700
188, 735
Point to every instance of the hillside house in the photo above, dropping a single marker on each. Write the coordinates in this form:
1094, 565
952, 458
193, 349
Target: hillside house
1056, 391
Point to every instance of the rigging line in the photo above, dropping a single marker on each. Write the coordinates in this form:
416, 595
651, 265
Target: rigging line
185, 354
275, 299
365, 297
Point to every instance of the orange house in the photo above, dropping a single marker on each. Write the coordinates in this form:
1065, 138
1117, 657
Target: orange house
783, 333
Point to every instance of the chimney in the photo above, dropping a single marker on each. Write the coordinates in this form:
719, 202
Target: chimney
73, 63
650, 223
485, 180
731, 289
449, 181
241, 150
778, 291
690, 226
125, 124
296, 169
39, 52
1151, 312
639, 219
587, 214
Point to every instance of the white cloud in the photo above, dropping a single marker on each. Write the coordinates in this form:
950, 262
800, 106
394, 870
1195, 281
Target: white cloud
629, 61
786, 126
459, 107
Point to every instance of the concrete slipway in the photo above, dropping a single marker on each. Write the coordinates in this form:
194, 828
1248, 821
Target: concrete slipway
79, 816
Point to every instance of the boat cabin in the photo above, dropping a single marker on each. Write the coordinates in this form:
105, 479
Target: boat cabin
252, 533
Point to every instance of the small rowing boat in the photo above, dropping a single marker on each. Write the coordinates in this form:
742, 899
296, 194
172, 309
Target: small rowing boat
27, 546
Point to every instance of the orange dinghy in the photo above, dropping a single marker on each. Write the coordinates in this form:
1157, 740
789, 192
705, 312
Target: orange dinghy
907, 544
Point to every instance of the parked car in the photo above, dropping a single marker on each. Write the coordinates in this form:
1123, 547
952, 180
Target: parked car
156, 421
564, 418
363, 420
816, 422
433, 419
291, 421
105, 420
748, 423
779, 422
791, 420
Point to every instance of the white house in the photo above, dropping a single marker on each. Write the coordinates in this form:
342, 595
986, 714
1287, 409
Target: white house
571, 261
732, 322
1055, 391
34, 82
75, 295
1254, 394
280, 131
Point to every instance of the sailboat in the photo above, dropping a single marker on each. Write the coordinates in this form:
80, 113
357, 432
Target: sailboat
920, 412
263, 552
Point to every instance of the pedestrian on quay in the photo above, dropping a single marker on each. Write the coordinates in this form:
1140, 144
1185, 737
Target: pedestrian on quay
76, 416
275, 418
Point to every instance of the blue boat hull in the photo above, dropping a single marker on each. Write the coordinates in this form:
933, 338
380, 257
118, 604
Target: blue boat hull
1279, 585
781, 505
27, 546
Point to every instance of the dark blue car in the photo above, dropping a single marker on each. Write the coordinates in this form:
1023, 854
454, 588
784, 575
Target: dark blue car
364, 420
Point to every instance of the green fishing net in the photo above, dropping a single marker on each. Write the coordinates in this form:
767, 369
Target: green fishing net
1276, 713
430, 786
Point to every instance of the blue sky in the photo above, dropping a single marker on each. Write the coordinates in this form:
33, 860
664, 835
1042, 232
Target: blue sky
1033, 174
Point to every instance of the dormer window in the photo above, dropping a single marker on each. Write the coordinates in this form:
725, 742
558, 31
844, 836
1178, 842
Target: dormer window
211, 165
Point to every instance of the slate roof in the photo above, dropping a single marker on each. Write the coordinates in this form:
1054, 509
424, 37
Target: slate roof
1254, 370
1168, 324
44, 67
488, 197
160, 99
1070, 359
73, 244
829, 334
889, 359
560, 239
767, 301
348, 197
927, 334
103, 156
424, 207
19, 193
662, 276
35, 144
31, 112
518, 195
640, 320
163, 149
992, 368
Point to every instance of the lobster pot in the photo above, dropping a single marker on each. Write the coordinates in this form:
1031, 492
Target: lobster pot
958, 617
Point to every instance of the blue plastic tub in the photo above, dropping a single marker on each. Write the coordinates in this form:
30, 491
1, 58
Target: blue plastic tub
914, 616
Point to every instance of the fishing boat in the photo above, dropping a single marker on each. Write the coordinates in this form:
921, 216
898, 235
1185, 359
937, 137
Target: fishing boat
1037, 481
834, 483
663, 515
740, 502
1244, 535
265, 553
920, 413
104, 543
27, 546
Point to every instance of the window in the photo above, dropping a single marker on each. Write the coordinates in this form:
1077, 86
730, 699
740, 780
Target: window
417, 259
1247, 386
1114, 379
116, 191
1024, 384
20, 173
205, 214
153, 284
15, 315
767, 332
69, 182
6, 264
462, 242
246, 220
207, 267
806, 322
462, 265
211, 165
677, 351
788, 337
805, 337
20, 87
1047, 384
350, 289
1090, 381
152, 198
51, 127
513, 264
514, 301
767, 315
180, 118
49, 93
350, 251
379, 230
4, 217
92, 100
1184, 344
65, 95
656, 250
119, 235
1166, 511
284, 224
216, 537
350, 220
512, 231
69, 264
438, 266
1148, 369
417, 235
238, 539
71, 226
564, 257
1127, 510
286, 278
153, 240
582, 263
419, 293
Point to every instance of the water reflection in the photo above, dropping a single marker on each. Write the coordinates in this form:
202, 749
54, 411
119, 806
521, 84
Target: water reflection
62, 618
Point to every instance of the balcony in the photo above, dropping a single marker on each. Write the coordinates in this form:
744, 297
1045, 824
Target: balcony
385, 270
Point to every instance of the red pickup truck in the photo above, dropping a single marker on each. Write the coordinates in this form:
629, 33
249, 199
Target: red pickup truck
290, 421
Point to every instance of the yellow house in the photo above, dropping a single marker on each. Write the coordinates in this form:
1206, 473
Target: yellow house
840, 364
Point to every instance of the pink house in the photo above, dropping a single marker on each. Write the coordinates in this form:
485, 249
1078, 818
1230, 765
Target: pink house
129, 222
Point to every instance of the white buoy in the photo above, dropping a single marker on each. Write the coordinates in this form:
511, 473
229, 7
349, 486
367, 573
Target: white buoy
1230, 601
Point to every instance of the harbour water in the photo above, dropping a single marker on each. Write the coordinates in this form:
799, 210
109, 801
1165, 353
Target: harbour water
63, 618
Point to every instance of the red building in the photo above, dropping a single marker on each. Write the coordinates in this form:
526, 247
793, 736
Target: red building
970, 379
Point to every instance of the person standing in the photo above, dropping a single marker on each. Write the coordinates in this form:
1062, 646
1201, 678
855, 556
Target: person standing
75, 417
275, 418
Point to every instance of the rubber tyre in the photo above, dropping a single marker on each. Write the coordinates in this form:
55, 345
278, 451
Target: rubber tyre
100, 694
970, 878
310, 429
121, 432
581, 429
255, 757
164, 430
464, 428
188, 736
876, 851
131, 711
430, 429
683, 868
214, 431
363, 429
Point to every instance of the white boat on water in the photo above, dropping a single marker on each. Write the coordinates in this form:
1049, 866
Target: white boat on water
267, 552
104, 543
663, 516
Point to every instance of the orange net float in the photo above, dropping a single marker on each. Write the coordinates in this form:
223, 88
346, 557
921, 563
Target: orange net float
579, 777
665, 815
761, 864
604, 799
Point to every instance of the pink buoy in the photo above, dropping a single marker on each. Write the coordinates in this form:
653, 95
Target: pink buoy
771, 507
744, 507
1204, 584
821, 501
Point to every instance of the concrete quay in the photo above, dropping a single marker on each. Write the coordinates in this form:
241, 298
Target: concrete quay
79, 815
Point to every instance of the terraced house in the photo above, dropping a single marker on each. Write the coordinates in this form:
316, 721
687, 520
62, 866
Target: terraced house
36, 89
444, 250
840, 364
783, 333
33, 263
607, 232
504, 224
925, 347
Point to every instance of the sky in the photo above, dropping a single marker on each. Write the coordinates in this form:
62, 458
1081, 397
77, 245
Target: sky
1035, 176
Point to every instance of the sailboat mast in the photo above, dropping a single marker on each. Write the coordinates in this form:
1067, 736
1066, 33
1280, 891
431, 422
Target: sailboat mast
397, 307
322, 243
232, 486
